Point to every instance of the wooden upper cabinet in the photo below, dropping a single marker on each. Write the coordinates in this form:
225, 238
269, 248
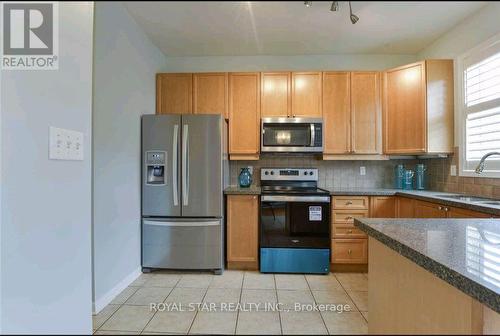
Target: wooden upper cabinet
418, 108
244, 116
382, 207
242, 230
276, 94
365, 113
210, 93
337, 112
174, 93
306, 94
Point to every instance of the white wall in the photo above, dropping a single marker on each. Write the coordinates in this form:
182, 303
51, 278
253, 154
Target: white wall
302, 62
125, 64
46, 204
469, 33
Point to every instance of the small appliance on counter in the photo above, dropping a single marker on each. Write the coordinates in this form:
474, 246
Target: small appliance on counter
294, 222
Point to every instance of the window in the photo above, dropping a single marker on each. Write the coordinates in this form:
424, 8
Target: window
480, 104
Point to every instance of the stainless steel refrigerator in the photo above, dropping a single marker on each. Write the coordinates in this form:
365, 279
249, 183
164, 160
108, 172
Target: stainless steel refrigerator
185, 170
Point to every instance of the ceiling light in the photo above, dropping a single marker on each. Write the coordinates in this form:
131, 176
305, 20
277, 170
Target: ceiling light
335, 6
354, 18
308, 3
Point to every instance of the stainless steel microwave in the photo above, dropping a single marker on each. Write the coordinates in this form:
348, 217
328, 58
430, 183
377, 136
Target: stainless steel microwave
294, 135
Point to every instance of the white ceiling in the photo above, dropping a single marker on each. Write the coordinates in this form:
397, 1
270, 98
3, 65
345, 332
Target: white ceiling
213, 28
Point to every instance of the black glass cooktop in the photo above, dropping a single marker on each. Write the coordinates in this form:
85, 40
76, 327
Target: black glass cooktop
289, 190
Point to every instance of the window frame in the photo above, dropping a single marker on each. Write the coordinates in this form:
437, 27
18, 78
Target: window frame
493, 42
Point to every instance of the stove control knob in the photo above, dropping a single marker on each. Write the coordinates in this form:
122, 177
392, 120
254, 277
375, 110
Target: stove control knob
266, 173
311, 173
272, 173
305, 173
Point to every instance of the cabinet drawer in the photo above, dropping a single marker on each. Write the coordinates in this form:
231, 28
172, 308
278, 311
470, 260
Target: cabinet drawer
347, 231
350, 202
349, 251
347, 217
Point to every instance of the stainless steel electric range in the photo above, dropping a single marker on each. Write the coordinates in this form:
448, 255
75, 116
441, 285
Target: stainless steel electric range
294, 222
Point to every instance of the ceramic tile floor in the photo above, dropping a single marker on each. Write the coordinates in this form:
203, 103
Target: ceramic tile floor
130, 311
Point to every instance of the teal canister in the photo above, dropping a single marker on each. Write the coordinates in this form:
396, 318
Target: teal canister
245, 178
420, 178
399, 174
408, 179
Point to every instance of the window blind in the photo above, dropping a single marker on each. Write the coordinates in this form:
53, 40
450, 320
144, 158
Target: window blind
482, 107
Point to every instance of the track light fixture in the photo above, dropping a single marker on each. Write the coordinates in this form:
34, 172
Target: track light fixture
354, 18
335, 8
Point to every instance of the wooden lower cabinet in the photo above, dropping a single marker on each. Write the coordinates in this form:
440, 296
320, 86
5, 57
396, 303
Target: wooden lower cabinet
349, 251
405, 207
463, 213
382, 207
429, 210
242, 231
349, 244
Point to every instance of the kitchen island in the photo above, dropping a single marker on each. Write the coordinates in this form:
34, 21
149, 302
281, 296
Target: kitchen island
433, 275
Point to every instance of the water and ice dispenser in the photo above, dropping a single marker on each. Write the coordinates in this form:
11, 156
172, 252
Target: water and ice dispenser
155, 168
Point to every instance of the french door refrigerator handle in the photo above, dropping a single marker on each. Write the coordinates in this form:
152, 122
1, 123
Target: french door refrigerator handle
185, 167
175, 169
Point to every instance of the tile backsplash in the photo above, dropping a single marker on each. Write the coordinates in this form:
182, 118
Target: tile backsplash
332, 174
379, 174
441, 180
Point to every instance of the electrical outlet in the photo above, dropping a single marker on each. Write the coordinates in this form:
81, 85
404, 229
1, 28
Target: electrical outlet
453, 170
362, 171
65, 144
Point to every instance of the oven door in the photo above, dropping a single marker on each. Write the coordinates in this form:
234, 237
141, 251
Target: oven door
291, 135
295, 222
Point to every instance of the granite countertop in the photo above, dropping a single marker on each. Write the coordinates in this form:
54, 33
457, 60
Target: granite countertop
424, 195
462, 252
236, 190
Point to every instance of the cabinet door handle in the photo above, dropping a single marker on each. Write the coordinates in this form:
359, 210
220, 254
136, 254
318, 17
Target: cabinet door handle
349, 252
349, 231
446, 209
440, 208
348, 203
349, 217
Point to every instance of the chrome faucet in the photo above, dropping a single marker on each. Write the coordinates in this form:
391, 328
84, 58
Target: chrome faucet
480, 166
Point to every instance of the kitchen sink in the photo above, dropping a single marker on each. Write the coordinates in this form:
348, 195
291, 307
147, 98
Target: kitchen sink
472, 199
494, 203
468, 198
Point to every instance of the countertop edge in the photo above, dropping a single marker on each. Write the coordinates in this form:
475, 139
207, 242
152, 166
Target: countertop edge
468, 286
256, 190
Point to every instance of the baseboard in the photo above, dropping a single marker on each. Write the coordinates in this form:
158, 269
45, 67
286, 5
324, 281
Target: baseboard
99, 304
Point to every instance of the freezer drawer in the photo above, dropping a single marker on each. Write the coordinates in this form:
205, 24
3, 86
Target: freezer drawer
186, 244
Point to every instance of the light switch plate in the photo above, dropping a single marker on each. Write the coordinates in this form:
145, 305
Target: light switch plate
65, 144
362, 171
453, 170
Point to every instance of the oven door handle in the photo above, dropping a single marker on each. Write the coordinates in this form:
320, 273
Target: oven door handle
315, 199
